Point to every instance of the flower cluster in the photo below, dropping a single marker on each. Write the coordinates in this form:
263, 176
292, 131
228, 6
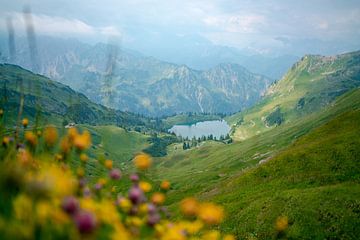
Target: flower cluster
45, 192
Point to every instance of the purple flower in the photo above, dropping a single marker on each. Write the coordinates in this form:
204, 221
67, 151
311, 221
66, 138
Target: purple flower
134, 177
115, 174
136, 195
85, 222
70, 205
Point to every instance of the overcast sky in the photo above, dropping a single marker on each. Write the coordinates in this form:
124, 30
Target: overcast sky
261, 25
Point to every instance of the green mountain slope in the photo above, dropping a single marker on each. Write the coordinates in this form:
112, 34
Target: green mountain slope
55, 102
309, 86
315, 183
207, 171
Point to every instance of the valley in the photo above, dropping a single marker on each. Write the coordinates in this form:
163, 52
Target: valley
293, 153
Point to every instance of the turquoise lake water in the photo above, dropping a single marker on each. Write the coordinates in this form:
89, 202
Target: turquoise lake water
216, 128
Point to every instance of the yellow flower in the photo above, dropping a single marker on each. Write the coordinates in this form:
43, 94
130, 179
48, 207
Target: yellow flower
25, 122
189, 206
43, 211
31, 138
102, 181
5, 141
24, 157
119, 233
281, 223
80, 172
158, 198
65, 145
142, 161
23, 207
145, 186
125, 204
83, 157
108, 164
72, 133
58, 157
229, 237
211, 235
82, 141
50, 135
211, 213
165, 185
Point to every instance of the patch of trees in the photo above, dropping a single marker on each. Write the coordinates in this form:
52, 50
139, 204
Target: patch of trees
190, 143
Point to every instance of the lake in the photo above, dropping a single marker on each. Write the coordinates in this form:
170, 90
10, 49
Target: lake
216, 128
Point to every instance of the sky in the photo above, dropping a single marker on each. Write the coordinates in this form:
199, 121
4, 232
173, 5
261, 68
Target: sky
264, 26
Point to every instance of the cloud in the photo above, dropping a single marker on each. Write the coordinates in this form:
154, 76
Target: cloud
251, 23
52, 25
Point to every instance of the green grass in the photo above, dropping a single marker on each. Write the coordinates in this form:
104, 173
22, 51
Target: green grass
315, 182
206, 171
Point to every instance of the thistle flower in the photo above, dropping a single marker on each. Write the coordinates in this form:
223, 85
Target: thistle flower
70, 205
85, 222
142, 161
134, 177
136, 195
115, 174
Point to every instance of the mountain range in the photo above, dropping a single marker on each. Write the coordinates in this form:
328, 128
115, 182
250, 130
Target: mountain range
142, 84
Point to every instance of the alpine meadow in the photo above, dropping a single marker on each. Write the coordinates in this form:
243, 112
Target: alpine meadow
179, 120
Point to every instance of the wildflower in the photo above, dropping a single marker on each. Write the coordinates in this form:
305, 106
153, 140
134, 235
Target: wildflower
70, 205
85, 222
38, 133
83, 157
108, 164
158, 198
82, 141
153, 219
1, 112
43, 211
31, 138
58, 157
25, 122
80, 172
65, 145
50, 135
23, 207
72, 133
165, 185
115, 174
145, 186
281, 223
189, 206
142, 161
211, 213
134, 177
5, 141
136, 195
229, 237
24, 157
125, 204
211, 235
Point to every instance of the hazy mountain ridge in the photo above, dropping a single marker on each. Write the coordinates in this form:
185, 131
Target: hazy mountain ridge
144, 84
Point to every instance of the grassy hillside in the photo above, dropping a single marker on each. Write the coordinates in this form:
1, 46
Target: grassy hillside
315, 183
310, 85
55, 102
206, 171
